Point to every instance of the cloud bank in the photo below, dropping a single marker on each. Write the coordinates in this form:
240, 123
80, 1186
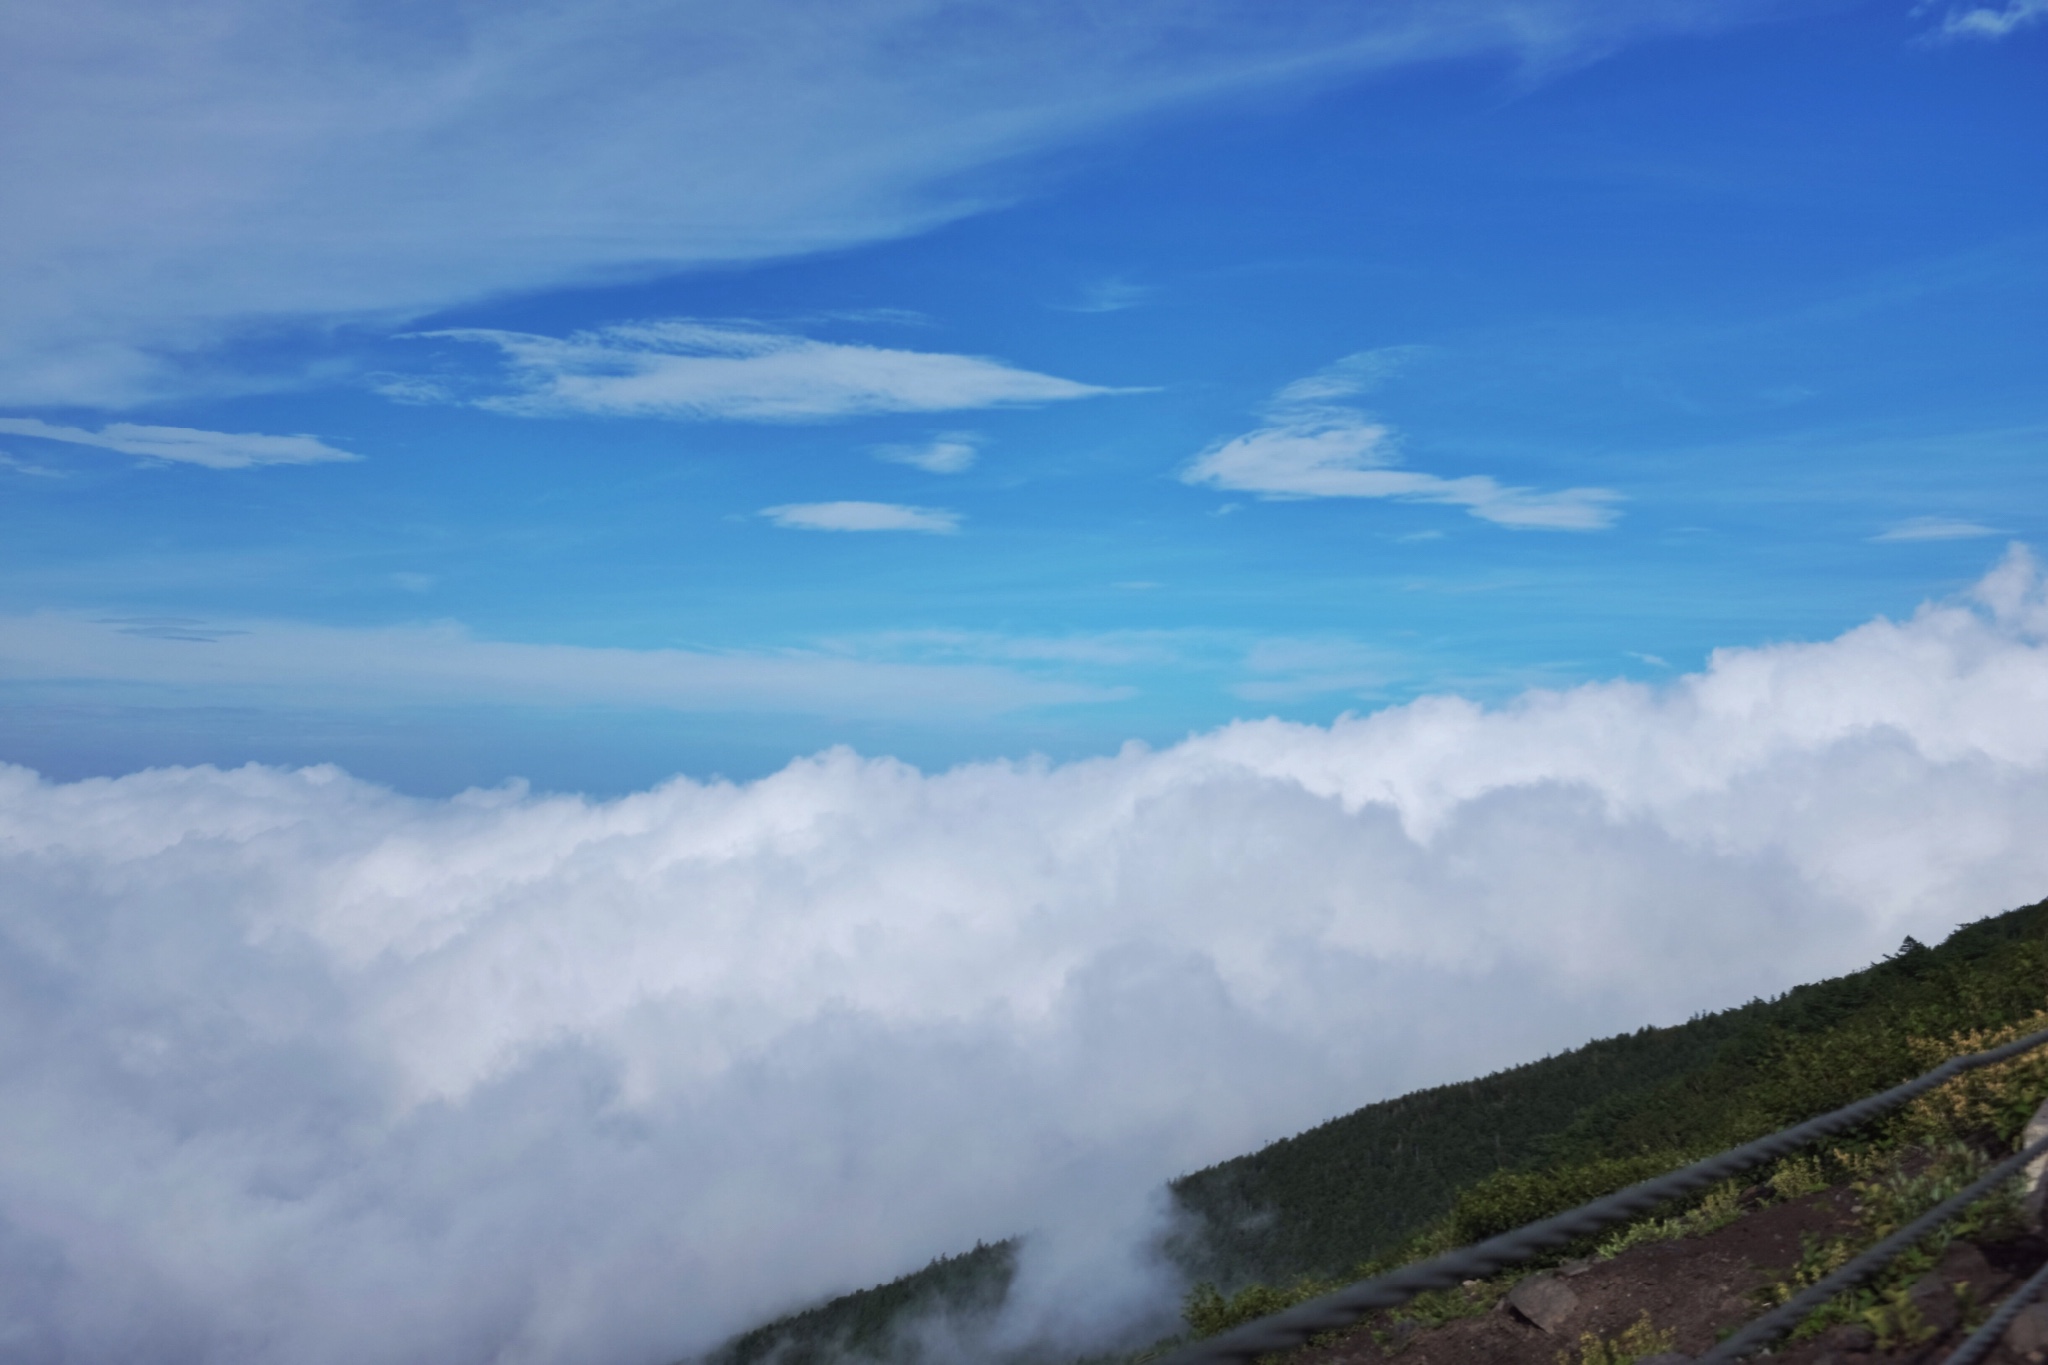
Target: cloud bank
1314, 446
184, 445
183, 179
298, 1070
697, 370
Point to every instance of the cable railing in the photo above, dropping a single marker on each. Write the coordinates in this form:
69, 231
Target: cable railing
1984, 1338
1346, 1307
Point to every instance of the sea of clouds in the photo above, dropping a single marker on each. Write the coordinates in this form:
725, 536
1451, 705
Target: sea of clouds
297, 1070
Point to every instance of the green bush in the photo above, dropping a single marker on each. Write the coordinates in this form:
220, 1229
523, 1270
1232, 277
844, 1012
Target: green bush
1506, 1200
1207, 1310
1637, 1340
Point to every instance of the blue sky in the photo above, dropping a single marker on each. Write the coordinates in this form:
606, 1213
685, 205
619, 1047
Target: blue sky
592, 397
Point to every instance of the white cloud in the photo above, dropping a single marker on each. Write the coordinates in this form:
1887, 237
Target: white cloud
25, 467
1316, 447
1358, 373
696, 370
948, 453
1984, 22
241, 163
214, 449
1290, 670
546, 1079
1110, 296
1170, 648
259, 662
1935, 528
862, 516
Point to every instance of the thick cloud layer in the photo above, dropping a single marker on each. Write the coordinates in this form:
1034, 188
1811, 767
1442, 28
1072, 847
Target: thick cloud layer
299, 1070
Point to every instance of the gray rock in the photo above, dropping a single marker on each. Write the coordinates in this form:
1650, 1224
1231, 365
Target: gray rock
1849, 1336
1544, 1301
1666, 1358
2027, 1338
1964, 1261
1936, 1302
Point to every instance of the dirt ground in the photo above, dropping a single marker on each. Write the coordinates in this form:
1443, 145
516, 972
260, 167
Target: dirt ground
1699, 1288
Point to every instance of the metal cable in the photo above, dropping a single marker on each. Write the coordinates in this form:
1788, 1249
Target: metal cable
1790, 1314
1286, 1330
1984, 1338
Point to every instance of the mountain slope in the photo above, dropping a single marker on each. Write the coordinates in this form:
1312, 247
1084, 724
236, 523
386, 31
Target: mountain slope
1458, 1162
1358, 1186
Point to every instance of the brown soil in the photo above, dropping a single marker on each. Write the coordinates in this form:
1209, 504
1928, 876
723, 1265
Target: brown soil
1698, 1288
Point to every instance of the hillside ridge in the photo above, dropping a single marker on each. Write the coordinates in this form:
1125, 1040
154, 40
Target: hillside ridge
1459, 1161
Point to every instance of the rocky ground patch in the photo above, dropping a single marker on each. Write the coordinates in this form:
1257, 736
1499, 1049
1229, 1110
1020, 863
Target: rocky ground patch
1681, 1296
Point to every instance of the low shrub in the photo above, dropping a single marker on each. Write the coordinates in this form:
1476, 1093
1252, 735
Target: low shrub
1721, 1205
1990, 1105
1207, 1310
1506, 1200
1798, 1176
1636, 1341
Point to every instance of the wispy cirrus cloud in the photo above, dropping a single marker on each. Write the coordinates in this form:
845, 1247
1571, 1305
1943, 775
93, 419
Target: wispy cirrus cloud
1315, 446
949, 452
1935, 528
1983, 21
1290, 670
1112, 295
703, 371
1349, 377
28, 468
1176, 648
862, 516
185, 445
243, 162
270, 662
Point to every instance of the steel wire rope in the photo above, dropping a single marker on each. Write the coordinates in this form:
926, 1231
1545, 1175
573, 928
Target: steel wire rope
1285, 1330
1984, 1338
1782, 1319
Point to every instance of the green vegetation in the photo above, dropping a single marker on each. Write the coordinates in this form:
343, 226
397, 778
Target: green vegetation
1720, 1206
870, 1322
1442, 1167
1636, 1341
1455, 1164
1320, 1202
1893, 1184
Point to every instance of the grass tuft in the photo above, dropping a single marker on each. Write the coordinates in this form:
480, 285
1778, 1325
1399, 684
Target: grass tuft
1634, 1342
